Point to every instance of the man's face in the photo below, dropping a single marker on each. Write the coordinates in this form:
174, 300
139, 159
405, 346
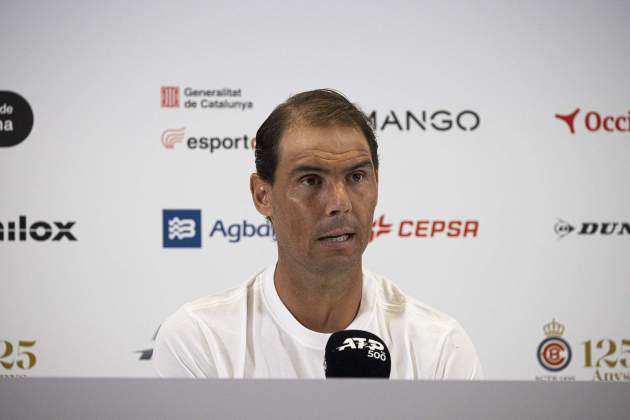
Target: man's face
323, 197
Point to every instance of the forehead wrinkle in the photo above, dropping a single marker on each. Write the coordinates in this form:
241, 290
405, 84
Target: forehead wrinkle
316, 154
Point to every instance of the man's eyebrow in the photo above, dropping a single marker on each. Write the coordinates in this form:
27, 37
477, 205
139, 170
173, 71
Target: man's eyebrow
318, 169
307, 168
361, 165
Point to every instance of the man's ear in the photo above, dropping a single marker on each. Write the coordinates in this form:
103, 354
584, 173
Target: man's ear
261, 195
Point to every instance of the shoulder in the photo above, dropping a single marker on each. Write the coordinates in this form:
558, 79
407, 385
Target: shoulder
437, 334
394, 301
186, 339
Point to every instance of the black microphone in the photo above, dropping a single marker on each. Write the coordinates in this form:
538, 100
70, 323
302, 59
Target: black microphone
356, 354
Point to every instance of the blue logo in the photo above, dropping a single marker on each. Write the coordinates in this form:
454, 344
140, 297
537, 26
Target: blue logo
181, 228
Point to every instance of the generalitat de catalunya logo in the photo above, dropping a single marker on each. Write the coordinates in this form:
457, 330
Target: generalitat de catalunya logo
554, 353
224, 98
424, 228
173, 136
169, 96
594, 121
563, 228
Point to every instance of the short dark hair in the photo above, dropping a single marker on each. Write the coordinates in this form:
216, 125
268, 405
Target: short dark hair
315, 108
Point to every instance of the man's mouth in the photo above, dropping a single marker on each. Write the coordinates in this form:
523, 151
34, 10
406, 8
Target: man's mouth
341, 237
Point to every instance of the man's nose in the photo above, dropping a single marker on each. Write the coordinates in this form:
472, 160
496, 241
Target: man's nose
338, 200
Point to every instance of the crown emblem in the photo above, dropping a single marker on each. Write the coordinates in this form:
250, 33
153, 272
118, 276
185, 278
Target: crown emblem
553, 329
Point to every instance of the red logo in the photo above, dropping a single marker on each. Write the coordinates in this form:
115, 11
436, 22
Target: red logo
172, 136
569, 119
594, 121
170, 96
427, 228
553, 354
379, 227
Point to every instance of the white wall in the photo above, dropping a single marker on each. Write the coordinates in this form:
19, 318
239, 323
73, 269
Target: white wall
92, 74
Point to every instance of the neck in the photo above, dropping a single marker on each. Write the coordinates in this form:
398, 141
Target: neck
322, 301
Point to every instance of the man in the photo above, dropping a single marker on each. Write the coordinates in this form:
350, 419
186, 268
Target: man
316, 180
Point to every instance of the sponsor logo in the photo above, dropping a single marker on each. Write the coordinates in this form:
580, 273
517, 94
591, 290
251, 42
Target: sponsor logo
39, 231
212, 144
440, 120
569, 119
235, 232
380, 227
424, 228
147, 354
609, 358
594, 121
224, 98
563, 228
181, 228
169, 96
604, 359
359, 343
17, 356
16, 119
554, 353
172, 136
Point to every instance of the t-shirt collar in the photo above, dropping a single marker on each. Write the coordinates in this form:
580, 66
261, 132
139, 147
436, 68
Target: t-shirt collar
292, 326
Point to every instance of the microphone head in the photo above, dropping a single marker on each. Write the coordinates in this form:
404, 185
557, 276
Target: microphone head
356, 354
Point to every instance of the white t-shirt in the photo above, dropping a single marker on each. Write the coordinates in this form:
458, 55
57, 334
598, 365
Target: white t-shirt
247, 332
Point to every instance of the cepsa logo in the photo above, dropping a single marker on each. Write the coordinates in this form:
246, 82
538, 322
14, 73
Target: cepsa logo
424, 228
440, 120
172, 136
595, 121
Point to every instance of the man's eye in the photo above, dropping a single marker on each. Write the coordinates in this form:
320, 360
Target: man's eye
311, 180
357, 177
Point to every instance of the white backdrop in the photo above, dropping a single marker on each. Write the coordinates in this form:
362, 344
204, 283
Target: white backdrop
93, 74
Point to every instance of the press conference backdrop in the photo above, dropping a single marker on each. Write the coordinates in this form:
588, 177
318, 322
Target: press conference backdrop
128, 134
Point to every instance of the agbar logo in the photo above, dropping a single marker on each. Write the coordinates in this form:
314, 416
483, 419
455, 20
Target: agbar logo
594, 122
